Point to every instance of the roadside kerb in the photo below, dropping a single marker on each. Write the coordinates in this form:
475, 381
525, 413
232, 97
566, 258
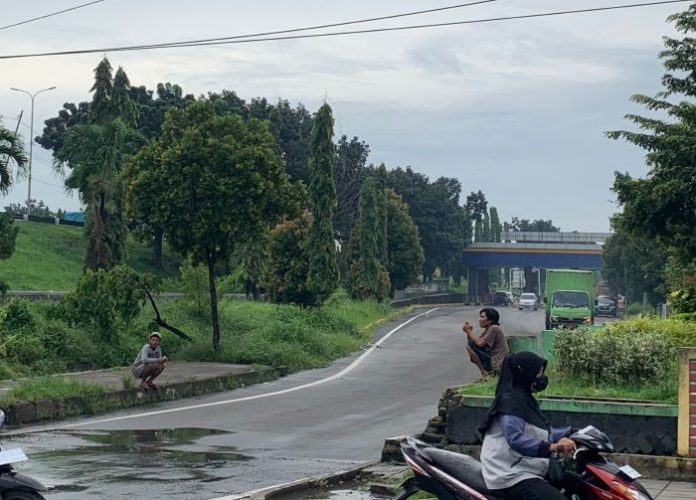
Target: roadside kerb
25, 412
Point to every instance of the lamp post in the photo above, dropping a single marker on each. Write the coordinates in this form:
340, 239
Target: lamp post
31, 137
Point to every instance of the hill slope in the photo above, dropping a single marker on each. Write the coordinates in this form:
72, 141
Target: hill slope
49, 257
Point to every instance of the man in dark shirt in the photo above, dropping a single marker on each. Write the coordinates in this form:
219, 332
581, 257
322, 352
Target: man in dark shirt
488, 350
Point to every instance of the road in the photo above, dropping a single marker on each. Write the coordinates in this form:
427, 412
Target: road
206, 447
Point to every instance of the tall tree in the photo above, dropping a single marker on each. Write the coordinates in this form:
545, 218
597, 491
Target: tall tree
367, 278
351, 171
662, 206
634, 266
486, 227
101, 108
220, 181
122, 106
405, 254
322, 276
95, 155
381, 194
11, 154
496, 227
443, 225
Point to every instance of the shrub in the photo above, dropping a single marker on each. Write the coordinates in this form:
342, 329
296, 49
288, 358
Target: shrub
600, 356
637, 308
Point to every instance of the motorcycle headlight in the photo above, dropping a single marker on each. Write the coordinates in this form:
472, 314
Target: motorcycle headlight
554, 318
587, 320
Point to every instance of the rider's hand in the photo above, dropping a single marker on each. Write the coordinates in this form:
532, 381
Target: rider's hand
467, 328
563, 445
164, 359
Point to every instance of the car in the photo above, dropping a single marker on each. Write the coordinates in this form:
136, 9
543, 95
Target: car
528, 301
605, 306
501, 299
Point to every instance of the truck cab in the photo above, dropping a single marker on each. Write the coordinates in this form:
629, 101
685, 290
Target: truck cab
569, 297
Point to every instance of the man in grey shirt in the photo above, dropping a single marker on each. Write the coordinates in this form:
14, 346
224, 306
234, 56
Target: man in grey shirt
150, 363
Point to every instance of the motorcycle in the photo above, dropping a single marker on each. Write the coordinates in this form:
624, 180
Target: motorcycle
13, 485
588, 476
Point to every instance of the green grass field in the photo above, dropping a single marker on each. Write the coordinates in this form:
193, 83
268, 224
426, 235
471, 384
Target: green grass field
49, 257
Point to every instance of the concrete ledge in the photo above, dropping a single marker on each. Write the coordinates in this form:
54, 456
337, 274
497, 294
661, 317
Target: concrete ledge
26, 412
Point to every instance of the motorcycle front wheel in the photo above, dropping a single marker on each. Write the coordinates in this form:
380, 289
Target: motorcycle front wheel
21, 495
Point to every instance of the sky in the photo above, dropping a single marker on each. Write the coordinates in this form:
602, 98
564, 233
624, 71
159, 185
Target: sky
516, 109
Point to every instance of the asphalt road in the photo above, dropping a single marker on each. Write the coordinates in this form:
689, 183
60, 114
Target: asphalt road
270, 433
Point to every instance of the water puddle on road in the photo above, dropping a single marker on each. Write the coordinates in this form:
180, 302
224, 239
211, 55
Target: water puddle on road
349, 491
158, 463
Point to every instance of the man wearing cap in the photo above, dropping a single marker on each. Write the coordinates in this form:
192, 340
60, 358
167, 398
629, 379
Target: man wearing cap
150, 363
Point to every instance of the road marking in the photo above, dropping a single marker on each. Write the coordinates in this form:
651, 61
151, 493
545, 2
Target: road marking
338, 375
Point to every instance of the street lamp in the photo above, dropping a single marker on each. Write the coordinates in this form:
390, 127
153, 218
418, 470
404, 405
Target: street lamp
31, 137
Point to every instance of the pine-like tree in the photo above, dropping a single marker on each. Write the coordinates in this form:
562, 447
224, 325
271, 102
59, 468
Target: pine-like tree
486, 228
381, 185
100, 109
367, 278
122, 106
496, 227
322, 276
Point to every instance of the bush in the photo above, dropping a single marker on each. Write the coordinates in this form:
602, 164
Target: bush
637, 308
599, 356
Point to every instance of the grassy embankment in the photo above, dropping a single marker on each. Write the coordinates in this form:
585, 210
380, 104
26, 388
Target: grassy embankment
49, 257
35, 340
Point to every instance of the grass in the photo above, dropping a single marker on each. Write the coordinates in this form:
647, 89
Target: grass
662, 391
274, 334
47, 387
49, 257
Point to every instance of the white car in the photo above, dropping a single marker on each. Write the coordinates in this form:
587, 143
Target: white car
528, 301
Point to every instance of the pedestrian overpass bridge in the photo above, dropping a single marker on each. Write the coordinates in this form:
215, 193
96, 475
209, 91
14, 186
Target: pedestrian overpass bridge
532, 251
547, 250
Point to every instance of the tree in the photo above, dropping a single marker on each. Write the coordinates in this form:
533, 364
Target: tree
662, 206
367, 278
536, 226
632, 265
496, 227
8, 238
292, 129
404, 251
101, 108
287, 267
11, 153
443, 225
322, 275
95, 155
351, 171
220, 181
486, 228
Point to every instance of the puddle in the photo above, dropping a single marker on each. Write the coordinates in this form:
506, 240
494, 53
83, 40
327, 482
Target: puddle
89, 463
345, 491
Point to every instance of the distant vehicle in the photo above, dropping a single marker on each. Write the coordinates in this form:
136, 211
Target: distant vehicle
511, 297
605, 306
569, 298
528, 301
501, 299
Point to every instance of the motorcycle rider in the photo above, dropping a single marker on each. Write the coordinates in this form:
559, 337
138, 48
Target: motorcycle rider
518, 439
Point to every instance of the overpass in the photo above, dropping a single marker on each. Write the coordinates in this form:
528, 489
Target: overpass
529, 250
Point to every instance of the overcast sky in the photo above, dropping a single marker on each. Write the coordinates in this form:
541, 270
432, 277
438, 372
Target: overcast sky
516, 109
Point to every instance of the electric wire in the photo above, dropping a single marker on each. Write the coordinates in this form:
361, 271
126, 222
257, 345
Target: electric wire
341, 33
50, 15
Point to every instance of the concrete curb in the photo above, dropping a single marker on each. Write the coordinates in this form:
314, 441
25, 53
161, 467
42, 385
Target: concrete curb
26, 412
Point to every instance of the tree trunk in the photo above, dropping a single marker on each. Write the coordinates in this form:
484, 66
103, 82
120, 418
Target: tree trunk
157, 248
213, 302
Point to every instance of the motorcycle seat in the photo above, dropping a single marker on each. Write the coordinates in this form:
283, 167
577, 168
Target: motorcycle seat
462, 467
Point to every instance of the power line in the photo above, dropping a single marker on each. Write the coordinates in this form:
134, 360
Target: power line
50, 15
323, 26
238, 40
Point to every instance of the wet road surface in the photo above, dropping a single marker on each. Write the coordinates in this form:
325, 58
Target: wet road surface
228, 443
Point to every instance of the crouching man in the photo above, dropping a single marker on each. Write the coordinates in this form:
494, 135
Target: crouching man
150, 363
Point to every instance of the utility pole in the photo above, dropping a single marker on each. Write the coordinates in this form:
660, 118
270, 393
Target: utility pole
31, 138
